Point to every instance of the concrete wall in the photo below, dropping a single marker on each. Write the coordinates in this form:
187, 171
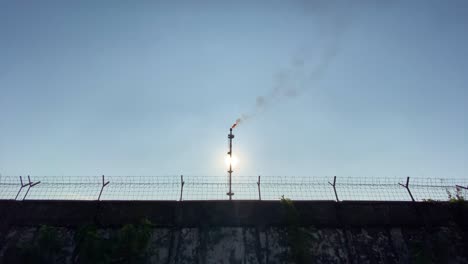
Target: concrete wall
240, 231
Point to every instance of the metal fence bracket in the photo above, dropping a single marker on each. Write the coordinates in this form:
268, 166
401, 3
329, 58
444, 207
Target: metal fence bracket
21, 187
334, 188
104, 184
259, 193
181, 186
31, 184
407, 188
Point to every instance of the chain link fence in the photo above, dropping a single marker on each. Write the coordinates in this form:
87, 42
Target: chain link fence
180, 188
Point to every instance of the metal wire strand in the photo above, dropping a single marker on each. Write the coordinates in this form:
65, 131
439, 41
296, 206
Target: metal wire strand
177, 187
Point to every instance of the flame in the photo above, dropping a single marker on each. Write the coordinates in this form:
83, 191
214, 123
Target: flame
238, 121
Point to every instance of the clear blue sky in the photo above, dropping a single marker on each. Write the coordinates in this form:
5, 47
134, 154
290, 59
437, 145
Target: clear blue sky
367, 88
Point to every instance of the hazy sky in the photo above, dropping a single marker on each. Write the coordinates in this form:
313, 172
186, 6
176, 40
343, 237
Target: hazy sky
348, 88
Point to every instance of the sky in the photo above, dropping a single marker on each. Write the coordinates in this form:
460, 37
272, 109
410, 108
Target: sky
346, 88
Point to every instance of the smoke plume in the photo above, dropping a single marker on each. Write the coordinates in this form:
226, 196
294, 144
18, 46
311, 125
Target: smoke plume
302, 72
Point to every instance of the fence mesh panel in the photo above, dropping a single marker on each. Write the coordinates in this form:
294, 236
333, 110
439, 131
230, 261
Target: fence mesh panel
9, 187
63, 188
437, 189
176, 187
141, 188
375, 189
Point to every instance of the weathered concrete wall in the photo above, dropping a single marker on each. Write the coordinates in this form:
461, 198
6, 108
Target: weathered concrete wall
234, 232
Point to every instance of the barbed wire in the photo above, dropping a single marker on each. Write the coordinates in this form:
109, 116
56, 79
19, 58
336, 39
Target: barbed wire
184, 188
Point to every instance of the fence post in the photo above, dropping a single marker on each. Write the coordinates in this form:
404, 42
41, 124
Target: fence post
104, 184
407, 188
21, 187
334, 188
31, 184
259, 193
461, 187
181, 186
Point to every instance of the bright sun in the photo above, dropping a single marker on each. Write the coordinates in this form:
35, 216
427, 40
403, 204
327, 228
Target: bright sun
234, 161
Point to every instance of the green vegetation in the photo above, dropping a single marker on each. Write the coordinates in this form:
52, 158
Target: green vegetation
419, 253
436, 245
91, 247
128, 245
46, 248
456, 197
132, 243
298, 240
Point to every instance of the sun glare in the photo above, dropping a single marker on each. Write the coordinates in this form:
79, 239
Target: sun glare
233, 161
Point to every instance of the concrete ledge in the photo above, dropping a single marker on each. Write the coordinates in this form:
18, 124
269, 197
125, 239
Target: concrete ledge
232, 213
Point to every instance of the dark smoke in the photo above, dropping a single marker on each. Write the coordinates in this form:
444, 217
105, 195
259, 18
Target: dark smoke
300, 75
